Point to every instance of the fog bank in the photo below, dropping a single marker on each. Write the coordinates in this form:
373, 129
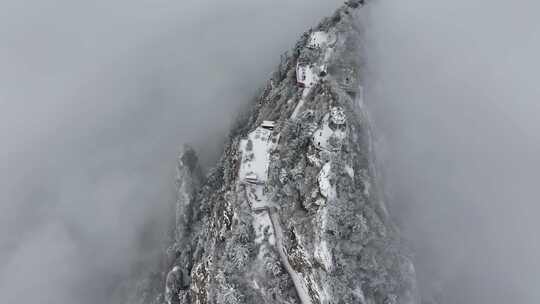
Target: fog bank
96, 98
453, 90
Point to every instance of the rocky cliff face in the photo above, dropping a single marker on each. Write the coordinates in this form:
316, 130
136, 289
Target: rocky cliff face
292, 213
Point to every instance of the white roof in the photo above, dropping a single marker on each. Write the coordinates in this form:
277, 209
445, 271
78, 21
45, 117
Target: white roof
255, 162
251, 175
268, 123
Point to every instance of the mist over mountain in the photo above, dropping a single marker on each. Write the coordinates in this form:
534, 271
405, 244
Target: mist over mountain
98, 97
455, 102
293, 211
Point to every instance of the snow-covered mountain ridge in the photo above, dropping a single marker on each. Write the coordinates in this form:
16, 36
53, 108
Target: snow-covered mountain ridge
293, 211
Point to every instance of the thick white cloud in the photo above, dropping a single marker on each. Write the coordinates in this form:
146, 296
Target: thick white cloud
96, 97
455, 96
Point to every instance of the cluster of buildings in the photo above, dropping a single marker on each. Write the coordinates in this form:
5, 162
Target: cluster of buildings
257, 146
308, 73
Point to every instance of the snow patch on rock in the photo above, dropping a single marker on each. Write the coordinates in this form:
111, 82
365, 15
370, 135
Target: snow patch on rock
263, 227
327, 189
321, 39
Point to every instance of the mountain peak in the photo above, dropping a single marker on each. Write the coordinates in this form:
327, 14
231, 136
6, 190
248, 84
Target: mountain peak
293, 212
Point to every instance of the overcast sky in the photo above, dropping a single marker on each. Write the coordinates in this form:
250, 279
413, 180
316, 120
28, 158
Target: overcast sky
96, 98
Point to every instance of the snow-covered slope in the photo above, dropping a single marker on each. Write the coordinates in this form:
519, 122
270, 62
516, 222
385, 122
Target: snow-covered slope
292, 213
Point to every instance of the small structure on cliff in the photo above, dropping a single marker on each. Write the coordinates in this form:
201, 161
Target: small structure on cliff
321, 39
255, 157
333, 130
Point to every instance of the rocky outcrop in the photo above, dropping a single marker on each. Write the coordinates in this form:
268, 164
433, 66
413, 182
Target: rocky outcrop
292, 213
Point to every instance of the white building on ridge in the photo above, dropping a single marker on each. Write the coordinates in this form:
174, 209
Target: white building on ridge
255, 157
321, 39
332, 132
